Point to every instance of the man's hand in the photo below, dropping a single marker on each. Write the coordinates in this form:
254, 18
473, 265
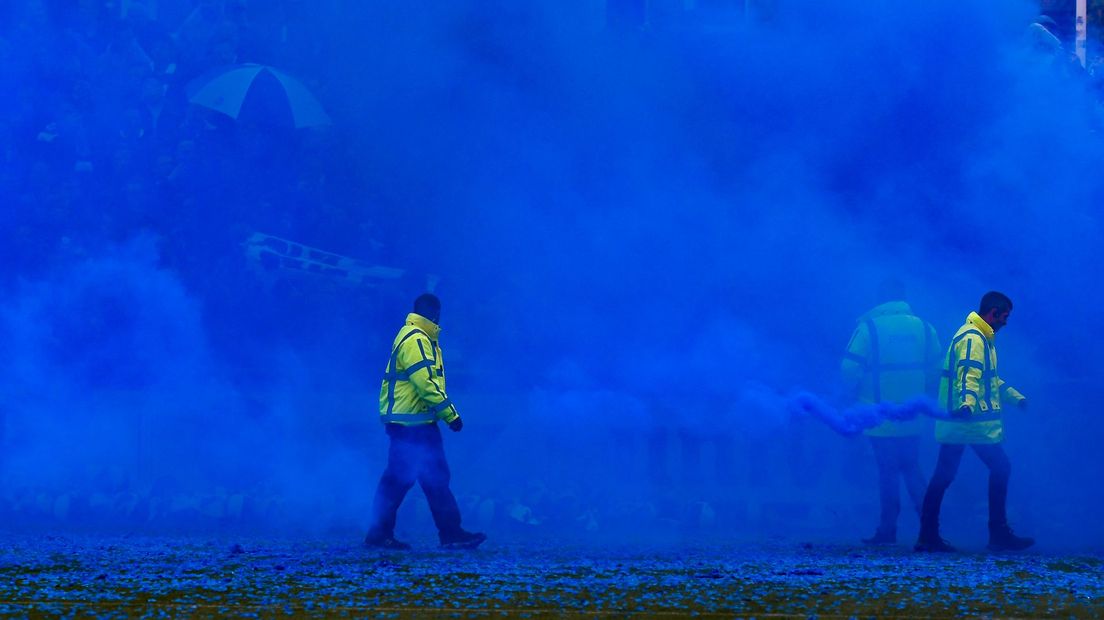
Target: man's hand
1022, 404
962, 412
456, 425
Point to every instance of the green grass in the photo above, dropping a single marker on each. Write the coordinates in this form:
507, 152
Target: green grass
194, 577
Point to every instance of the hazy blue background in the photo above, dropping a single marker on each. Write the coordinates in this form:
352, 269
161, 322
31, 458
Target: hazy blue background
645, 236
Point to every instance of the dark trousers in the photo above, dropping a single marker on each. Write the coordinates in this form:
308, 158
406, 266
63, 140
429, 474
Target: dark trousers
417, 454
897, 458
950, 455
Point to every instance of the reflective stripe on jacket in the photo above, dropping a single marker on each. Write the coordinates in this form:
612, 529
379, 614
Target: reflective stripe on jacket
893, 357
970, 378
413, 390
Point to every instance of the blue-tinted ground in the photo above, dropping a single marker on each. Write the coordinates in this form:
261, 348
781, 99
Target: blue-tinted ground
49, 575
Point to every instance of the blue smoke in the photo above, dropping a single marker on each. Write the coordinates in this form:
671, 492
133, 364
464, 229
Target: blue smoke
642, 239
854, 420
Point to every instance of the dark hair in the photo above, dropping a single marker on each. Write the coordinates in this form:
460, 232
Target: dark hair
891, 289
427, 305
994, 300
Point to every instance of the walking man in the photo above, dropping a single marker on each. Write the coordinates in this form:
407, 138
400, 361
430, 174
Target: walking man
972, 392
893, 357
412, 400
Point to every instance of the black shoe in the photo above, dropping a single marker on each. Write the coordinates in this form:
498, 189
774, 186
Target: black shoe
881, 537
463, 540
1002, 539
385, 542
933, 544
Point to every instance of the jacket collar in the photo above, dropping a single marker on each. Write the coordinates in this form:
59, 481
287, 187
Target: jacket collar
983, 327
429, 327
890, 307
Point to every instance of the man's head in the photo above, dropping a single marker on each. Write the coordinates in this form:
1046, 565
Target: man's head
891, 289
994, 309
428, 306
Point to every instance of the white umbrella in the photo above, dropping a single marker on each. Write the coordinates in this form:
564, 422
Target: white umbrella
258, 93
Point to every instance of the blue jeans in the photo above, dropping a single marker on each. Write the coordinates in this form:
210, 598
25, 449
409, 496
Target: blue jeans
416, 454
950, 455
897, 457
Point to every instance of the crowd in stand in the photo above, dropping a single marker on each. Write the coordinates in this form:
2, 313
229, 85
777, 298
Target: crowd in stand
99, 141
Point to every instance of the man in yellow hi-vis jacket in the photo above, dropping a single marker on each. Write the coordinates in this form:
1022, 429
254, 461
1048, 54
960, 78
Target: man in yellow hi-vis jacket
972, 392
893, 356
412, 400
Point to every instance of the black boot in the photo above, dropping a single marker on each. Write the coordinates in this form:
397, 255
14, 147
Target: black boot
932, 542
1001, 538
881, 537
384, 541
462, 540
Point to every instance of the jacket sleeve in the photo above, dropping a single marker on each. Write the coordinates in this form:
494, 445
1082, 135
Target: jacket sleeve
1007, 390
970, 356
934, 358
417, 358
855, 362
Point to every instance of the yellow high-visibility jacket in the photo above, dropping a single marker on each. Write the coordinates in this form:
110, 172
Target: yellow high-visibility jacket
893, 357
970, 378
413, 390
